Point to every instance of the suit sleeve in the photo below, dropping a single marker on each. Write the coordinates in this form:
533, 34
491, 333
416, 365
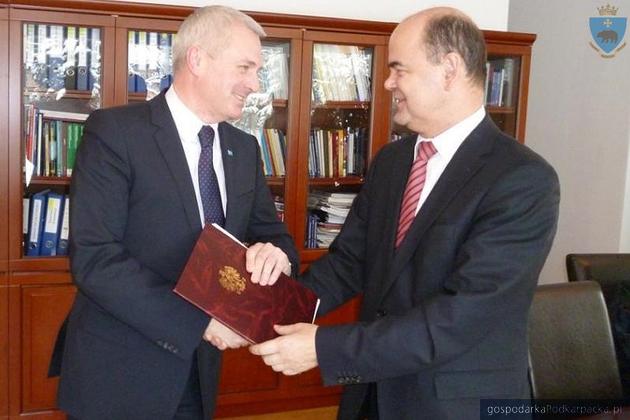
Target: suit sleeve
495, 272
264, 225
103, 269
339, 275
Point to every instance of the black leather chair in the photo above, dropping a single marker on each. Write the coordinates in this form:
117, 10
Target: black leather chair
609, 270
571, 349
612, 272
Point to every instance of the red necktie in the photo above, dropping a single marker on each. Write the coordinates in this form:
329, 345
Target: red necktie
415, 183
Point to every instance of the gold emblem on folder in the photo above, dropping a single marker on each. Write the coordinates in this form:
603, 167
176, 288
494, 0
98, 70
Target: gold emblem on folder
231, 280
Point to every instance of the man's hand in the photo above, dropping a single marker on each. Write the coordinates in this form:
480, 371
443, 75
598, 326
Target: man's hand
222, 337
266, 262
291, 353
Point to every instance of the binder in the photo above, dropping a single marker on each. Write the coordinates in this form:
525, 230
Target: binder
153, 78
70, 41
26, 207
94, 56
141, 63
64, 229
52, 221
30, 63
36, 223
56, 77
82, 59
165, 63
131, 61
40, 72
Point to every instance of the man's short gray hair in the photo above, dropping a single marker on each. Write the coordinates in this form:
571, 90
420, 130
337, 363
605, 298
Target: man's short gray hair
210, 27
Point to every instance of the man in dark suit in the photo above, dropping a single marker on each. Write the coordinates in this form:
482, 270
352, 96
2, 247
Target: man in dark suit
447, 257
140, 196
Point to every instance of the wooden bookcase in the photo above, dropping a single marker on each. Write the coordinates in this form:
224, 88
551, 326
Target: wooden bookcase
36, 292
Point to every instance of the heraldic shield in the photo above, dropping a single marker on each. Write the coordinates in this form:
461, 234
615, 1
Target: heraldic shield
608, 31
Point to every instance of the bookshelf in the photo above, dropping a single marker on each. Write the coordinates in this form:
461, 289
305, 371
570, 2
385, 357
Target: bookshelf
295, 102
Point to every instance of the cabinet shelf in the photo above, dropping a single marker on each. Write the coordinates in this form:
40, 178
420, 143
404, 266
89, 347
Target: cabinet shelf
36, 264
342, 105
275, 180
51, 180
501, 109
73, 94
336, 182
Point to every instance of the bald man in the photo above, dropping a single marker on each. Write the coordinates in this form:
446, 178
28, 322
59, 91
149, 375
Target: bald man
445, 242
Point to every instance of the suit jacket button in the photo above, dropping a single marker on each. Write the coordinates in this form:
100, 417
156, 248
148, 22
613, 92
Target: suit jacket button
381, 313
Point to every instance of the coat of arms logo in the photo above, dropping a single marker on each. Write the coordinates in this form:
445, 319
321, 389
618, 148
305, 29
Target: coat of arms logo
231, 280
608, 31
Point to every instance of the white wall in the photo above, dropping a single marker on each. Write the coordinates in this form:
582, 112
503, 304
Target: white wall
489, 14
578, 119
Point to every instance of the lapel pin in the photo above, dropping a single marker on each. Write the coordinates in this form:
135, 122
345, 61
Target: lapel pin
230, 153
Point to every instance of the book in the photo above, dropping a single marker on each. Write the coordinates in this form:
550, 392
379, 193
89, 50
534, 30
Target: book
216, 281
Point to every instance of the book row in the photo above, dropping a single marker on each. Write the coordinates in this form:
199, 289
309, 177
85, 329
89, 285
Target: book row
57, 57
46, 224
51, 141
499, 84
337, 153
273, 148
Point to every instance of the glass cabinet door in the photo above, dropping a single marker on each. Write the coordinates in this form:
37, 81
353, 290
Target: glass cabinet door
501, 91
61, 84
341, 103
149, 63
341, 128
144, 58
265, 116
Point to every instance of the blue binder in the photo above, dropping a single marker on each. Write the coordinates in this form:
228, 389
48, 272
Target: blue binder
64, 229
52, 221
36, 223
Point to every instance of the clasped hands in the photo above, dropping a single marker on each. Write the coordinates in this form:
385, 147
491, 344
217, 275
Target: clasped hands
291, 353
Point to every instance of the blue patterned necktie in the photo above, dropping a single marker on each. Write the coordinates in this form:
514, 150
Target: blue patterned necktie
208, 184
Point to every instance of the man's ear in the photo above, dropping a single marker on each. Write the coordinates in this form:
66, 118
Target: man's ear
193, 59
453, 66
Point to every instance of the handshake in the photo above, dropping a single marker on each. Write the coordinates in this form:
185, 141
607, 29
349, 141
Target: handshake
293, 351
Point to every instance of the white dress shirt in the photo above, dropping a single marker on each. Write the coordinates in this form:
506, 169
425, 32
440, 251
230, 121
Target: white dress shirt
446, 144
188, 126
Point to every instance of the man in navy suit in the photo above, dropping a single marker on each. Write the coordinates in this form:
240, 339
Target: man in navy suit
447, 289
134, 349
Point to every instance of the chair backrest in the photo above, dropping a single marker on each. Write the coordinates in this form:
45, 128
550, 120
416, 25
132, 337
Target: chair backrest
607, 269
571, 349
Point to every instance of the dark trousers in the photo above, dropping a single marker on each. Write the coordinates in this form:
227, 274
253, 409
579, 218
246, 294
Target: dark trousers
190, 406
369, 408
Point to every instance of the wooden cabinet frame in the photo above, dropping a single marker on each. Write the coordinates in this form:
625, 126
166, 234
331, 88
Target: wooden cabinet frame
35, 293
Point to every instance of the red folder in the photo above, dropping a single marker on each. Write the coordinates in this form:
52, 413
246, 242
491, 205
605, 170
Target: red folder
216, 281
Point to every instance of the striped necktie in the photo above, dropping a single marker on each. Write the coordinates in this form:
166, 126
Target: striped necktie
415, 183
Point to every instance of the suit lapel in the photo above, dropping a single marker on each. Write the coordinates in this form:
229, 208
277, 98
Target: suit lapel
228, 153
396, 187
468, 159
169, 143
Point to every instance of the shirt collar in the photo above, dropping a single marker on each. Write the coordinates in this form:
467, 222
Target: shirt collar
187, 122
447, 142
